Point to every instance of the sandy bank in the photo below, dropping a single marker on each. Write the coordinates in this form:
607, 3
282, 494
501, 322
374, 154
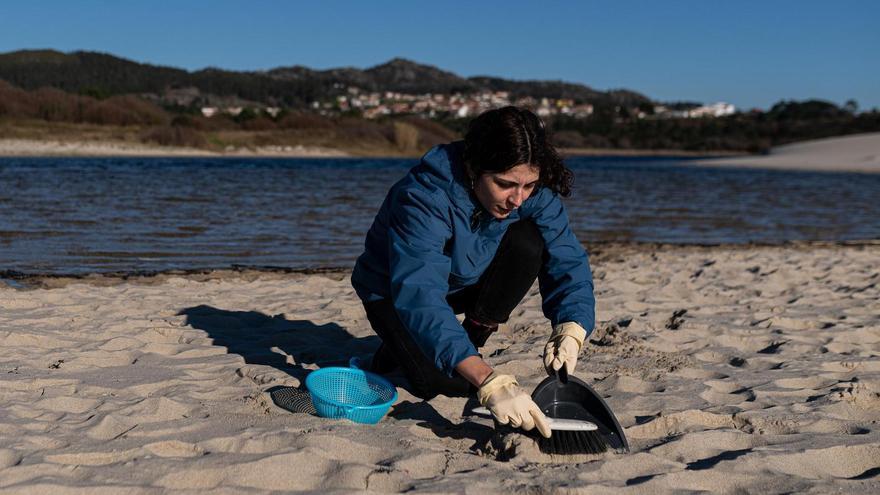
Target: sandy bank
33, 147
28, 147
857, 153
731, 369
639, 152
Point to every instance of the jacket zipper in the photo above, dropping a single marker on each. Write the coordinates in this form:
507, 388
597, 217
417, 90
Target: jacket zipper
476, 219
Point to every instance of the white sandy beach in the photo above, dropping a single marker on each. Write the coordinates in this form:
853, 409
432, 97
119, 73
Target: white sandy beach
768, 383
856, 153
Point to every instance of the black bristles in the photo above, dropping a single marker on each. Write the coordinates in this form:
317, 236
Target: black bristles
572, 443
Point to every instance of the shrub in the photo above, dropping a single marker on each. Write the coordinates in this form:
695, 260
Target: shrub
15, 102
406, 136
258, 124
431, 133
124, 110
304, 120
55, 105
175, 136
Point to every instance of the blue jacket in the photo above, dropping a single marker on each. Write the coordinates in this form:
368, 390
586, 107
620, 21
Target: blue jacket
423, 245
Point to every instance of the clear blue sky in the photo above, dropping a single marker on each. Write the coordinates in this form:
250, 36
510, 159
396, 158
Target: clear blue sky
749, 53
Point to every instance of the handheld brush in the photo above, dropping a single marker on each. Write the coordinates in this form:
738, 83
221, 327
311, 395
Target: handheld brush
573, 429
570, 441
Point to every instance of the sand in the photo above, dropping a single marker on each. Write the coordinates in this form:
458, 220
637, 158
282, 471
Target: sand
856, 153
732, 369
31, 147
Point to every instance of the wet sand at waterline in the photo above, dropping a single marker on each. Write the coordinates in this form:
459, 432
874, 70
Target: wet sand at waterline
731, 369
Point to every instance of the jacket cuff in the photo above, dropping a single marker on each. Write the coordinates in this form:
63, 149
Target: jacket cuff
455, 359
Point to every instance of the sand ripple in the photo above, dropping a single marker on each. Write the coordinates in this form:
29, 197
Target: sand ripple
733, 370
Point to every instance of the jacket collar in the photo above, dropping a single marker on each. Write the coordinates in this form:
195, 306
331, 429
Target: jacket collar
461, 191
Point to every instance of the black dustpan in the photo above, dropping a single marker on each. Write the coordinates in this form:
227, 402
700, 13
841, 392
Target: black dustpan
567, 397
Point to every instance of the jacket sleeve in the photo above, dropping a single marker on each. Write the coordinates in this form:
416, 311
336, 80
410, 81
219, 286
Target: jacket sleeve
565, 279
419, 272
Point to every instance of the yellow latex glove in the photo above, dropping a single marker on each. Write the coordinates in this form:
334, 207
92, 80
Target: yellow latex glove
564, 346
501, 395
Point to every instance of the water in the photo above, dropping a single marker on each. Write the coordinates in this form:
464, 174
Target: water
80, 215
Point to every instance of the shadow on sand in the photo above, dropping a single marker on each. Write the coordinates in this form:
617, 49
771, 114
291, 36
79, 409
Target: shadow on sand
287, 344
278, 342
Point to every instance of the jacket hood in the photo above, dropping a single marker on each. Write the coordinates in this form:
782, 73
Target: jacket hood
445, 163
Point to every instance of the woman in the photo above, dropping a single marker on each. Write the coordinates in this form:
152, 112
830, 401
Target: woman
468, 230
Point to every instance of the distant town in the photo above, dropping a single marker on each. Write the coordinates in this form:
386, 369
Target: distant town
396, 108
373, 105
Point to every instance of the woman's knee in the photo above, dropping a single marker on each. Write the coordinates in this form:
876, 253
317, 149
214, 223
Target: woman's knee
524, 240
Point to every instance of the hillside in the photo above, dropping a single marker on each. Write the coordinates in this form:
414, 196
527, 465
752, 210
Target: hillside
101, 75
91, 97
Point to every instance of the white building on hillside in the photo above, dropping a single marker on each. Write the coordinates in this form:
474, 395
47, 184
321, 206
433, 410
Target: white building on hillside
719, 109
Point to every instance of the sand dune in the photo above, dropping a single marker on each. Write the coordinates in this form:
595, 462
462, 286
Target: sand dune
732, 370
856, 153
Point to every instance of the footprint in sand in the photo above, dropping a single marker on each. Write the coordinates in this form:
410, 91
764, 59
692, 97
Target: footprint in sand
248, 443
422, 466
867, 365
701, 445
93, 458
27, 340
681, 422
809, 382
835, 462
110, 427
699, 373
157, 409
726, 392
174, 448
634, 385
120, 344
89, 360
309, 467
9, 458
74, 405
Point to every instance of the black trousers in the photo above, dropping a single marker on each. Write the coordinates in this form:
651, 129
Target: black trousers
491, 300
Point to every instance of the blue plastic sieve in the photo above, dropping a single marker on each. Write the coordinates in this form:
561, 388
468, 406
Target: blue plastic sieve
350, 393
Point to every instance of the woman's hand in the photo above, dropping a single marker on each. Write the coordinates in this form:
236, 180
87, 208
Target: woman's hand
510, 405
563, 347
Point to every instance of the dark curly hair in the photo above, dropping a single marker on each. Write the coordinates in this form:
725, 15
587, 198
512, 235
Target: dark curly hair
500, 139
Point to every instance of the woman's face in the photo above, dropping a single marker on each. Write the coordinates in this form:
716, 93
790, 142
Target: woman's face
502, 192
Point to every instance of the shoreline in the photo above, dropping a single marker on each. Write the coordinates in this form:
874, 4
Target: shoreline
598, 251
13, 148
851, 153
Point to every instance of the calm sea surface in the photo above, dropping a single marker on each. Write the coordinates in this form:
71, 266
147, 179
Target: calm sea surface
78, 215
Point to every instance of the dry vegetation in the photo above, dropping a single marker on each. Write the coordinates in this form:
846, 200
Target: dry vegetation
51, 114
